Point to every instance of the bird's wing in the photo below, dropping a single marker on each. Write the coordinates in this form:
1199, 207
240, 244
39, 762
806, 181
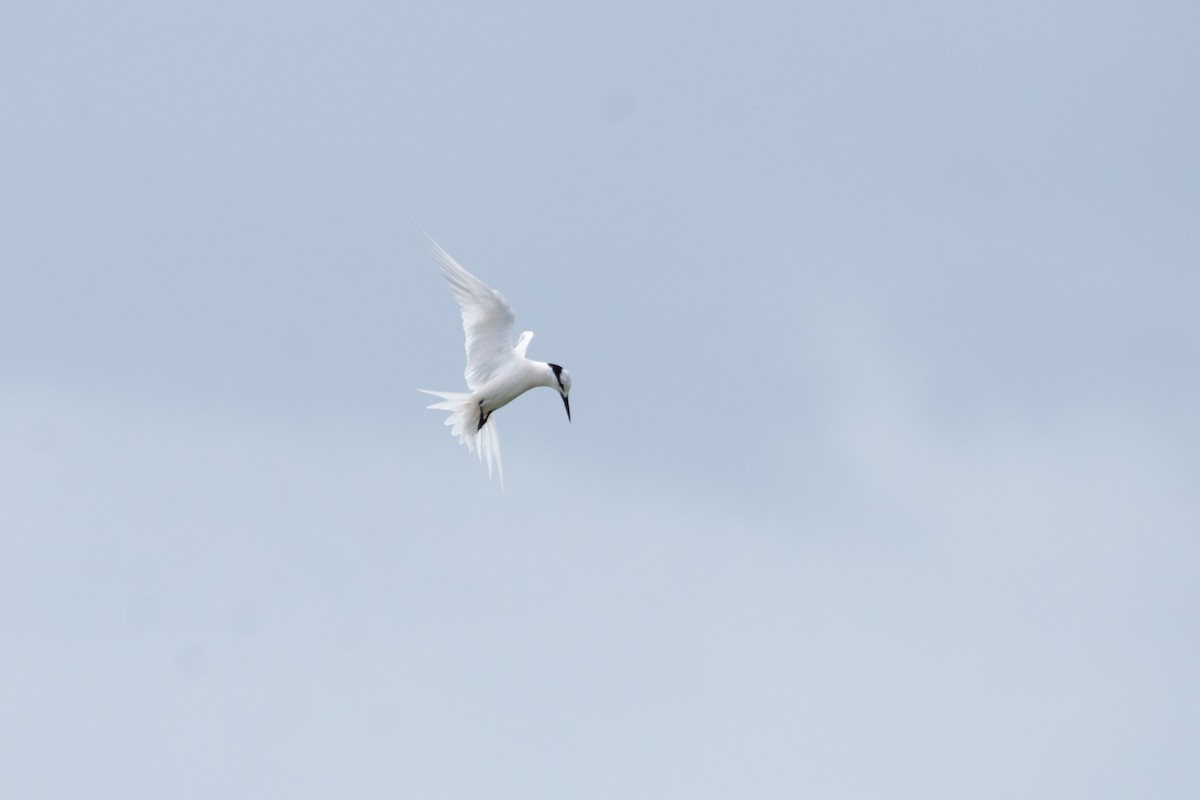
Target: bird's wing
523, 343
487, 318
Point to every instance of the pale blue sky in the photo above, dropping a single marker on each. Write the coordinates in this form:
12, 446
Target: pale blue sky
882, 325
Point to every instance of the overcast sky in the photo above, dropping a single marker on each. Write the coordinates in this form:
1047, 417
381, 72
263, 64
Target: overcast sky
882, 479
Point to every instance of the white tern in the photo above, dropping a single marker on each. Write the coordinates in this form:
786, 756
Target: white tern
497, 372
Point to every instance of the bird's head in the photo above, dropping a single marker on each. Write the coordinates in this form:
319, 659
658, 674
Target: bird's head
562, 382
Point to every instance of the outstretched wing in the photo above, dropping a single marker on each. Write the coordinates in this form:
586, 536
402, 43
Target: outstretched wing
487, 318
523, 343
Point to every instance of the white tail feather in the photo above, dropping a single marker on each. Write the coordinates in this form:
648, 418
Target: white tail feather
464, 423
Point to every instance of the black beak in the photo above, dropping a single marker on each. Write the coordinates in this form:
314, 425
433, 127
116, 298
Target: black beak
567, 403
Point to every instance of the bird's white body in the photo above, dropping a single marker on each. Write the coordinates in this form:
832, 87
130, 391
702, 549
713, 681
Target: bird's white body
509, 384
497, 371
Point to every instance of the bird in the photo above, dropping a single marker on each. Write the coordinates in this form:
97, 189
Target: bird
497, 371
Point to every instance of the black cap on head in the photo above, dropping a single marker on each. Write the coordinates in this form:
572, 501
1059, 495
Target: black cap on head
562, 390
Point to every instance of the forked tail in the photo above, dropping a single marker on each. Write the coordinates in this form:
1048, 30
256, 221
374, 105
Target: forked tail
464, 423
